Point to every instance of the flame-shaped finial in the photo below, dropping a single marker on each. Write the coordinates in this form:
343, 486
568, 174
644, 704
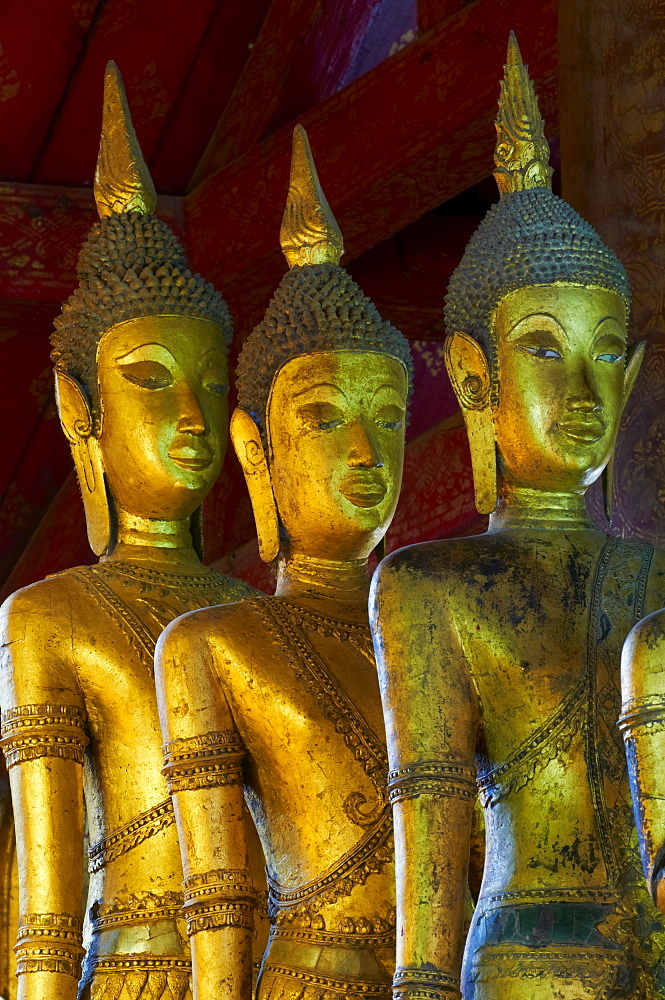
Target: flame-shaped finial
122, 179
309, 232
521, 154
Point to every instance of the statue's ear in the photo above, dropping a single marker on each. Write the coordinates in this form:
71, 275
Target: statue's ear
252, 457
73, 408
469, 373
77, 423
635, 357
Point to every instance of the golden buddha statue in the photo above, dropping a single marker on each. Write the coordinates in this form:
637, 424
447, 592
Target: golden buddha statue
281, 692
499, 655
642, 718
141, 378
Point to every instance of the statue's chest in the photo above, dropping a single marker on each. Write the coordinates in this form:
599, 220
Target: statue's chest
130, 607
315, 698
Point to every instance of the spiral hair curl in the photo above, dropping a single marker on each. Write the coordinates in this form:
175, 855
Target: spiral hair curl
317, 307
131, 265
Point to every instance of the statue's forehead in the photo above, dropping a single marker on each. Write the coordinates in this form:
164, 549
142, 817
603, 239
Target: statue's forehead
357, 366
573, 306
173, 332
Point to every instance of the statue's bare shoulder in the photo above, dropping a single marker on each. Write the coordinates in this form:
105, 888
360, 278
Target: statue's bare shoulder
429, 574
44, 612
226, 638
220, 626
643, 657
419, 653
39, 633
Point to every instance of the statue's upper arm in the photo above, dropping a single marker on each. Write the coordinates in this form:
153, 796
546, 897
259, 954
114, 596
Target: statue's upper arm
189, 693
430, 705
643, 659
38, 646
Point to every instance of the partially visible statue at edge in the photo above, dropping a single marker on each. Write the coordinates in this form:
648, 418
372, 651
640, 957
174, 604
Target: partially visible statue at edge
643, 725
499, 655
281, 692
141, 380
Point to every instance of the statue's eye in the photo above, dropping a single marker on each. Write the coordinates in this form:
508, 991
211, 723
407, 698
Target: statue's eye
390, 417
321, 416
609, 359
217, 388
543, 352
216, 382
147, 374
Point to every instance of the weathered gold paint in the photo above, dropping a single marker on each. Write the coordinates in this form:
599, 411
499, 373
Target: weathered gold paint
64, 645
331, 478
480, 640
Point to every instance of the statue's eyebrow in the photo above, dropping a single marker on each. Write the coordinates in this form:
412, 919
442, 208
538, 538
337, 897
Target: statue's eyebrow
616, 320
514, 331
391, 388
320, 385
147, 352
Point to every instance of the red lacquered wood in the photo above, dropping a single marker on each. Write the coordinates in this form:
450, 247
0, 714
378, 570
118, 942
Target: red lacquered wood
397, 142
226, 44
41, 231
153, 43
301, 56
40, 44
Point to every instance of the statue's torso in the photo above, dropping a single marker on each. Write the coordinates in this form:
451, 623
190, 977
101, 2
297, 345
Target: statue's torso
303, 692
117, 612
541, 619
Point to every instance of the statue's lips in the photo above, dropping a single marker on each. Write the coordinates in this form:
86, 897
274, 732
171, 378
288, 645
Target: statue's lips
191, 459
585, 431
361, 493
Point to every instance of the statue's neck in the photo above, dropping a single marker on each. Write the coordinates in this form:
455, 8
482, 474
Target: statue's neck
539, 510
336, 588
160, 545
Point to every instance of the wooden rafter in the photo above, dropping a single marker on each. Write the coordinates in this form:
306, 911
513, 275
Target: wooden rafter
321, 37
400, 140
433, 12
397, 142
153, 42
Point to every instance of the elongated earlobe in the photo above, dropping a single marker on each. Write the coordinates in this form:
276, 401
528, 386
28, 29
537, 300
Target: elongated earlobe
252, 457
633, 365
77, 423
469, 374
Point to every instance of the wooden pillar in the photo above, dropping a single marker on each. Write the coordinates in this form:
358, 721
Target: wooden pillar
612, 122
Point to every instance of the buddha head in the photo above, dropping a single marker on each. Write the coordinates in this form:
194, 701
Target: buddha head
323, 384
139, 351
536, 314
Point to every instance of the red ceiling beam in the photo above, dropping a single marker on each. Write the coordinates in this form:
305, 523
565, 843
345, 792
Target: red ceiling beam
218, 62
433, 12
41, 45
300, 57
41, 231
400, 140
154, 43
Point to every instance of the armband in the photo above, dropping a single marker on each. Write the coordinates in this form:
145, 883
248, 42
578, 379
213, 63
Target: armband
33, 731
433, 777
421, 984
220, 898
206, 761
49, 942
648, 712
